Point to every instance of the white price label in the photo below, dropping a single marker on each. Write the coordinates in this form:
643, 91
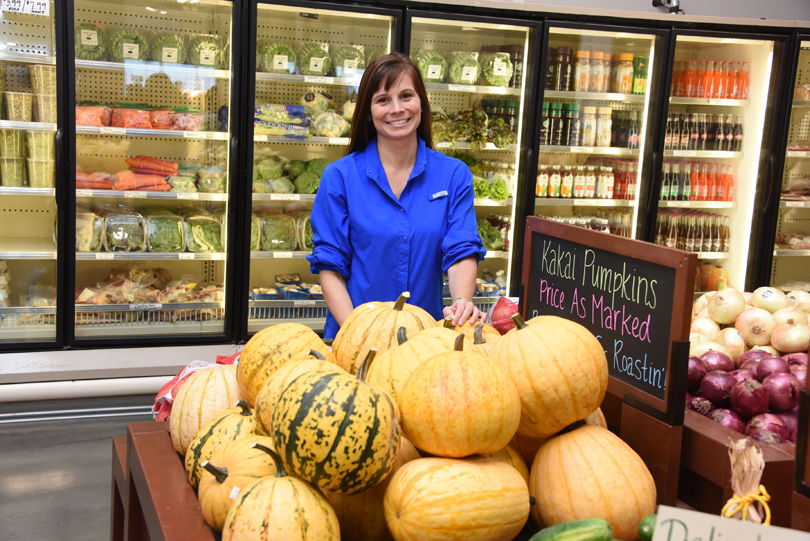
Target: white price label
338, 141
105, 255
282, 255
145, 306
185, 255
461, 88
261, 138
280, 62
316, 64
113, 131
314, 79
679, 203
685, 153
188, 196
499, 68
303, 303
582, 150
194, 134
29, 7
169, 54
136, 195
794, 203
234, 493
84, 193
207, 58
89, 37
130, 50
434, 71
350, 66
587, 203
795, 153
285, 197
469, 73
717, 102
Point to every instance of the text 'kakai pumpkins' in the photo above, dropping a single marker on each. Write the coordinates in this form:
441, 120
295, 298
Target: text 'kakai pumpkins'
336, 431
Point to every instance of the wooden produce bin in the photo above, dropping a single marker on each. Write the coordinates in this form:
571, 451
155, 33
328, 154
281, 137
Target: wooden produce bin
801, 481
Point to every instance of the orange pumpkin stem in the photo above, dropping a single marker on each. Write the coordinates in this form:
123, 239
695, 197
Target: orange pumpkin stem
402, 335
519, 323
478, 334
245, 407
363, 370
448, 322
400, 304
458, 345
317, 354
220, 474
280, 471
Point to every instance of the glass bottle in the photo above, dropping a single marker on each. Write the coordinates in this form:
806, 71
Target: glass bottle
694, 132
624, 74
579, 181
743, 83
567, 182
590, 180
707, 234
685, 132
672, 232
588, 126
554, 181
711, 133
550, 55
572, 135
607, 63
736, 145
634, 137
555, 124
640, 75
686, 185
542, 182
597, 72
691, 86
582, 71
689, 241
705, 89
603, 127
610, 181
728, 131
719, 135
660, 229
725, 235
544, 125
632, 182
675, 183
704, 133
563, 71
667, 134
665, 184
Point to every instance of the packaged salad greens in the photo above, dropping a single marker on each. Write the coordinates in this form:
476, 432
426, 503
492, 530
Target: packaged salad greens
496, 69
349, 60
182, 184
329, 124
124, 230
304, 228
169, 48
129, 44
11, 143
165, 232
275, 57
278, 232
255, 233
316, 102
314, 59
91, 42
431, 64
463, 68
88, 230
206, 50
203, 234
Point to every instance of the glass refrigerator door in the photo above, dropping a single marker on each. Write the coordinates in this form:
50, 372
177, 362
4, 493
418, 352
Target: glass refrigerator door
313, 60
28, 274
712, 146
789, 269
475, 78
595, 113
153, 88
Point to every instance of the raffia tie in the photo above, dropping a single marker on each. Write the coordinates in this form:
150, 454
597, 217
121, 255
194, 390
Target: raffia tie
738, 503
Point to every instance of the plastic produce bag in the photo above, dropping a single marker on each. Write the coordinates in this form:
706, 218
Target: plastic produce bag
282, 114
431, 64
349, 60
212, 179
463, 68
169, 48
329, 124
276, 57
316, 102
278, 232
314, 59
129, 44
496, 69
347, 112
91, 42
261, 127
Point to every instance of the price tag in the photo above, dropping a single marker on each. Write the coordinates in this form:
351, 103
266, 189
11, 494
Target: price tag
207, 58
88, 37
444, 144
795, 153
338, 141
185, 255
316, 64
188, 196
469, 73
282, 255
587, 203
84, 193
130, 50
499, 68
145, 306
234, 493
261, 138
582, 150
794, 203
461, 88
169, 55
136, 195
285, 197
303, 303
194, 134
314, 79
30, 7
280, 61
717, 102
679, 203
350, 66
105, 255
686, 153
434, 71
113, 131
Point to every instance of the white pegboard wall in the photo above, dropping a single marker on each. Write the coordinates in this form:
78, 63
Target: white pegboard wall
108, 153
27, 34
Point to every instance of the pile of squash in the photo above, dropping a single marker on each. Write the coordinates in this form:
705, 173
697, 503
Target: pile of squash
408, 429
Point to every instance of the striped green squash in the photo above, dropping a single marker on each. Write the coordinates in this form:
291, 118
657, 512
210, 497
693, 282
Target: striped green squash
336, 431
230, 425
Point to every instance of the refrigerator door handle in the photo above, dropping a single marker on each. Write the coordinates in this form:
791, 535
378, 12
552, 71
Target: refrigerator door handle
769, 185
61, 187
653, 174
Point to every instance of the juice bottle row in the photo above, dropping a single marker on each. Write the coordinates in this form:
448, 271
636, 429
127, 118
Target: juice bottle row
703, 131
693, 231
595, 71
568, 124
718, 79
696, 181
606, 221
604, 179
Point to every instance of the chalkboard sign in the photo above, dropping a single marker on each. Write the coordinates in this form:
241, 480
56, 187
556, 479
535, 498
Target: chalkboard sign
635, 297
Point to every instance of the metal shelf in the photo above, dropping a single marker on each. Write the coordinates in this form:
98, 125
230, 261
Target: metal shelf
162, 328
496, 254
797, 154
709, 101
28, 126
139, 67
599, 151
49, 192
797, 104
27, 248
150, 256
570, 202
464, 145
284, 197
279, 255
135, 132
145, 307
478, 89
289, 78
697, 204
487, 202
28, 58
594, 96
343, 141
800, 204
255, 325
701, 154
790, 253
713, 255
117, 194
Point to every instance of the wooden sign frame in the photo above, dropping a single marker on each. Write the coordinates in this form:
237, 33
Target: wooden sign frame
802, 474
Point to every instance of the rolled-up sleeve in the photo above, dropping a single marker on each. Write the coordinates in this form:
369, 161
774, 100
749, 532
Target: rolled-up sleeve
462, 239
330, 226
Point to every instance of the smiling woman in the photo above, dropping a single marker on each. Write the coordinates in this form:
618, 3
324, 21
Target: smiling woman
393, 214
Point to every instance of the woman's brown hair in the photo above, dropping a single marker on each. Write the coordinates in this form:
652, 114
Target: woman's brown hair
384, 70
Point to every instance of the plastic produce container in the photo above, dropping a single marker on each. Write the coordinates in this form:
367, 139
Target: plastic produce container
40, 145
255, 234
12, 172
278, 233
88, 232
43, 79
124, 232
19, 106
41, 173
45, 108
203, 234
11, 143
165, 233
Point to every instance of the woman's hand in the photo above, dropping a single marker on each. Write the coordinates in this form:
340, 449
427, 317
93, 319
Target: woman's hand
462, 311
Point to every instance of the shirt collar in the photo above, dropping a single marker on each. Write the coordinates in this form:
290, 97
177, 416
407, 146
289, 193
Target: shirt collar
374, 168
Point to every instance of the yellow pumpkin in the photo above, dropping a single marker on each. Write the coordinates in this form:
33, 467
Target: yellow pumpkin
560, 371
280, 507
231, 468
527, 446
483, 335
276, 383
375, 324
390, 370
590, 472
362, 516
437, 499
269, 349
459, 403
511, 456
205, 394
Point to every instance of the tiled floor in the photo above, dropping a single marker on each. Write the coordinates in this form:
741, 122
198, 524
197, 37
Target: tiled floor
55, 474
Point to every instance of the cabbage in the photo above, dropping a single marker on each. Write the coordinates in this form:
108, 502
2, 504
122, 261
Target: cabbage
328, 124
314, 59
261, 186
317, 166
270, 57
316, 102
295, 168
120, 38
348, 61
307, 183
281, 185
496, 69
271, 167
464, 68
206, 51
431, 65
165, 41
257, 175
91, 42
348, 109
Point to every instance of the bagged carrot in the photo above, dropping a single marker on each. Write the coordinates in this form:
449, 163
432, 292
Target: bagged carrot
153, 164
127, 180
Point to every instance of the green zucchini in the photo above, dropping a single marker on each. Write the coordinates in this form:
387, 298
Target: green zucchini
646, 527
587, 529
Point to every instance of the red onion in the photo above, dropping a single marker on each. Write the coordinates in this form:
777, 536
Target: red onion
716, 386
771, 365
796, 358
753, 354
700, 405
783, 390
729, 419
791, 420
749, 398
769, 422
695, 373
800, 371
715, 360
742, 374
763, 436
750, 364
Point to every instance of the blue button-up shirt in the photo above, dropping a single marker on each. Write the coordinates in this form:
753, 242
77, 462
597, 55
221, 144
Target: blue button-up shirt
382, 245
